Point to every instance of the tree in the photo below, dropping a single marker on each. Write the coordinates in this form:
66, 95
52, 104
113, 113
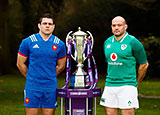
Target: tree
152, 46
19, 19
5, 62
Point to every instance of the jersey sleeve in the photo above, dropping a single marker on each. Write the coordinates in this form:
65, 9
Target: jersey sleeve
24, 48
138, 51
107, 42
62, 52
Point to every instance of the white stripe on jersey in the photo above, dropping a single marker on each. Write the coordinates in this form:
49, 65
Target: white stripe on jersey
113, 40
33, 38
56, 40
123, 38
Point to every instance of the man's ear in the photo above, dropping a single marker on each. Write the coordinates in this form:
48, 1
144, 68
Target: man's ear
39, 25
126, 26
54, 26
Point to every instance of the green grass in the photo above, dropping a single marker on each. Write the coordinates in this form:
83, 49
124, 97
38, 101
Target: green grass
149, 106
150, 88
12, 86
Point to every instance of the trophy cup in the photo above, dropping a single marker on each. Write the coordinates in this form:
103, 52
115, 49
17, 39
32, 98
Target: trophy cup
83, 44
79, 96
79, 40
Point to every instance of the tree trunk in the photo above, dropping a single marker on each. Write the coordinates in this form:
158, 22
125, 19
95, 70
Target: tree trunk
5, 59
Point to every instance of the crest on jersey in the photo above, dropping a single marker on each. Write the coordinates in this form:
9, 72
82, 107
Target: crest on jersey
54, 47
109, 46
27, 100
123, 46
113, 56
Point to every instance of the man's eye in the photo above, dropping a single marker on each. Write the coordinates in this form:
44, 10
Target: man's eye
50, 24
44, 23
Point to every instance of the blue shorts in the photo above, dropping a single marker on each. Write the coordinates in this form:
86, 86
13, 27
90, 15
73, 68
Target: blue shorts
37, 99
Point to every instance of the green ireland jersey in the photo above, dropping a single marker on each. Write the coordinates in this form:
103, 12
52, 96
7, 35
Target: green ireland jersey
122, 57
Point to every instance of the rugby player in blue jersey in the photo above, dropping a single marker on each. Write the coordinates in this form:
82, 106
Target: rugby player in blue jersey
47, 56
122, 53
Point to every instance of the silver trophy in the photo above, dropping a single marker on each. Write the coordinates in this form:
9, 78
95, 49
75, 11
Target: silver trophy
79, 40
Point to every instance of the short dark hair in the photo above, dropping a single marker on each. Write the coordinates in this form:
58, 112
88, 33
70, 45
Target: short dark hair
46, 15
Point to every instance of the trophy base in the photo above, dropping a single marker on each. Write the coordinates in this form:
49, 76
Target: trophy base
71, 87
77, 82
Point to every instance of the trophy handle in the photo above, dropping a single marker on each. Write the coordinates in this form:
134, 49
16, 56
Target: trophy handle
68, 38
75, 52
90, 36
91, 39
73, 56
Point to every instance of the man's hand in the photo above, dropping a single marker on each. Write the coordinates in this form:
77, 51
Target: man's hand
60, 65
142, 72
21, 64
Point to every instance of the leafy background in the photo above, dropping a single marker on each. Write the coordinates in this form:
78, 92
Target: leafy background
19, 19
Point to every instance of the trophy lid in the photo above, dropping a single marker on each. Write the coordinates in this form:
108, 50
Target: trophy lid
79, 32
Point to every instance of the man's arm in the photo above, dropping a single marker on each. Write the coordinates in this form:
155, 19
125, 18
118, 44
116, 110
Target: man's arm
60, 65
21, 64
142, 72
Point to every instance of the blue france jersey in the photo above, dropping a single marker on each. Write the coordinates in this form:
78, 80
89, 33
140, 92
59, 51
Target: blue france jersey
43, 56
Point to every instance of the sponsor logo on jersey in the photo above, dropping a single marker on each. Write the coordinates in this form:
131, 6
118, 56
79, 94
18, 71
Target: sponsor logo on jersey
113, 56
27, 100
123, 46
114, 63
54, 47
36, 46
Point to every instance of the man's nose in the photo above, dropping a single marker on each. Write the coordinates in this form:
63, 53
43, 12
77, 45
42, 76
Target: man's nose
116, 27
47, 24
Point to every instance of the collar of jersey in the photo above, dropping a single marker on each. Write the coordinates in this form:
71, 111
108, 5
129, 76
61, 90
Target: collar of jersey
41, 39
121, 40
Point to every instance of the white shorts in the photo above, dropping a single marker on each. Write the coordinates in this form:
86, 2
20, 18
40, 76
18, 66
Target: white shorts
123, 97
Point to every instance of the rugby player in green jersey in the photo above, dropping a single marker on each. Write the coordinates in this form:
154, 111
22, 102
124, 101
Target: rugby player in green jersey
122, 53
